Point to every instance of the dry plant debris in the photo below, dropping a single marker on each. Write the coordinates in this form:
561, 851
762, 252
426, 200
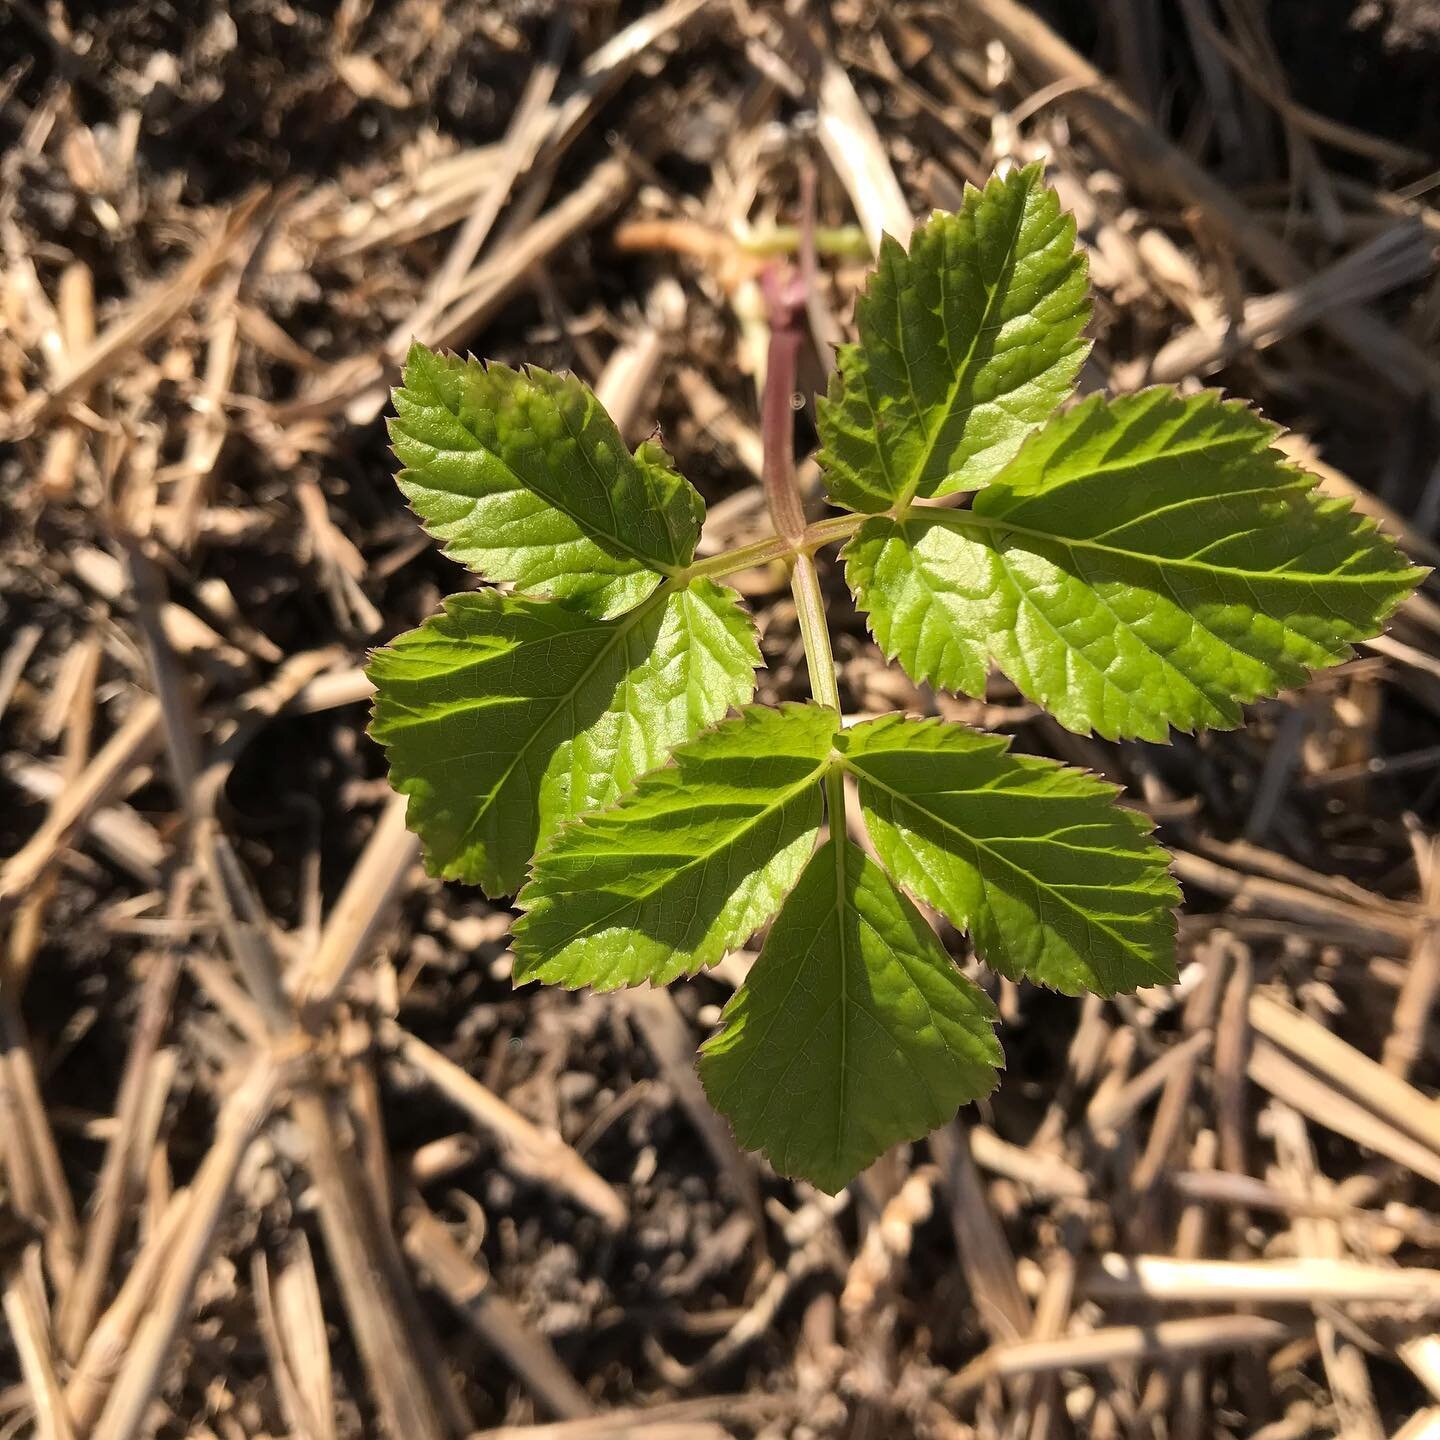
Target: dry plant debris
281, 1151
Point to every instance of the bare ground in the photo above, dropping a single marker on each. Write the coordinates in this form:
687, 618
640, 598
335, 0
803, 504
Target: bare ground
283, 1152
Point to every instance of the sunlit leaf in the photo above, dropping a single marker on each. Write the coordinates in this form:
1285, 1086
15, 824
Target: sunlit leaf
1054, 881
967, 343
523, 477
690, 863
1143, 563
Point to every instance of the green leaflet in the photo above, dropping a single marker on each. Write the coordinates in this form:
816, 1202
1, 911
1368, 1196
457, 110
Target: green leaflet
854, 1030
1055, 882
1144, 562
690, 863
966, 345
1132, 565
505, 716
523, 477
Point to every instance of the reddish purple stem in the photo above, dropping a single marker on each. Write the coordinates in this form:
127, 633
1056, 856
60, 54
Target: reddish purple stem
785, 302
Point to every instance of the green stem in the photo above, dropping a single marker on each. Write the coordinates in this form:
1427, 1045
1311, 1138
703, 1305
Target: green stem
814, 631
820, 660
743, 557
846, 241
829, 532
772, 548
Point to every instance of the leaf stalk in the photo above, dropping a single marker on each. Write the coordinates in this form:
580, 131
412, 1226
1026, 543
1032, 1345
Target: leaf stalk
772, 548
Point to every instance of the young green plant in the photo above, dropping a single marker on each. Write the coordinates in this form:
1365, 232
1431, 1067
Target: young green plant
581, 732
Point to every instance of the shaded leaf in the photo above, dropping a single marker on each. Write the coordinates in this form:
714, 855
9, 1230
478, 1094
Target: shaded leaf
505, 716
853, 1031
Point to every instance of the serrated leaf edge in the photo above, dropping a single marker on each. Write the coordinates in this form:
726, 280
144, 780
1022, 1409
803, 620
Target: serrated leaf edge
850, 353
585, 821
1340, 505
610, 543
410, 785
1144, 825
918, 1131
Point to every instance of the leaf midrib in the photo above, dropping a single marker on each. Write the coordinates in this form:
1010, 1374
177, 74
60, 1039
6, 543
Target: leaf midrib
972, 520
962, 373
621, 634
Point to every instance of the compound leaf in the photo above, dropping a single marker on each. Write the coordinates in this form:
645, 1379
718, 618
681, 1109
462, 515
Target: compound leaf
855, 1030
523, 477
1055, 882
690, 863
1144, 562
967, 343
505, 716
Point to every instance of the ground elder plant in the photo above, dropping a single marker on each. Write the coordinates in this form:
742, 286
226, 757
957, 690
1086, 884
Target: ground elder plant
580, 731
